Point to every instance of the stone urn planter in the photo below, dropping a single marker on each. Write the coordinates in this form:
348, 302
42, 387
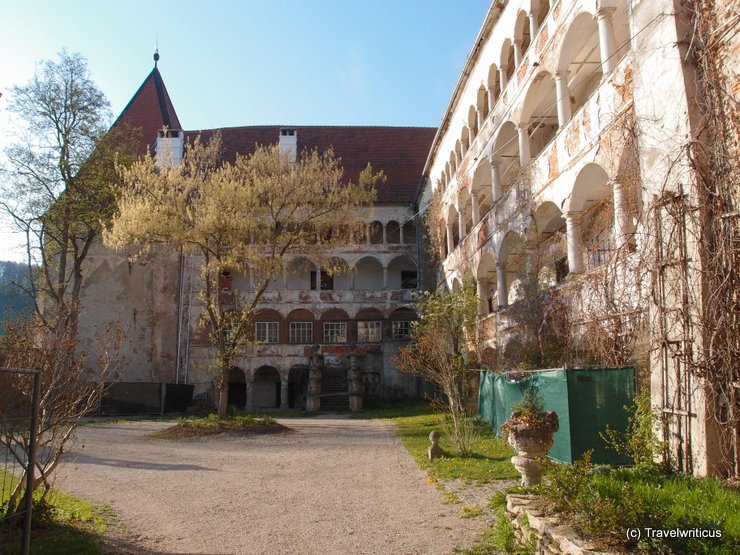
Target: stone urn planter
531, 436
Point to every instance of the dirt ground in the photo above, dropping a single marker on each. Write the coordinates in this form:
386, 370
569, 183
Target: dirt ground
332, 486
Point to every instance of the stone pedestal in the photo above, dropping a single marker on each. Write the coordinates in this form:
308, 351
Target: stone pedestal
313, 401
434, 450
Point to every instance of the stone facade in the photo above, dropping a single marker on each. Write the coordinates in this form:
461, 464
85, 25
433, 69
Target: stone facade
564, 150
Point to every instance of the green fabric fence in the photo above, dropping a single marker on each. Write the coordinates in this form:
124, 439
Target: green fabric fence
585, 400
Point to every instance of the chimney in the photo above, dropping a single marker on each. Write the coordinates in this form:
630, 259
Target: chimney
170, 144
289, 142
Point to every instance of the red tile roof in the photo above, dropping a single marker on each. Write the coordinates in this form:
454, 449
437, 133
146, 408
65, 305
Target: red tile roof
399, 151
150, 109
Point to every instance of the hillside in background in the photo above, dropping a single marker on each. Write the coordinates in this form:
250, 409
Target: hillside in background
12, 299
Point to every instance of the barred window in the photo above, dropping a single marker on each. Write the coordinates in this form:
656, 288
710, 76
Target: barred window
266, 332
368, 332
301, 332
335, 332
401, 329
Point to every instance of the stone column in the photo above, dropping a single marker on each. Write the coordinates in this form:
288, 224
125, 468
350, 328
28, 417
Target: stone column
482, 290
385, 277
481, 119
313, 401
607, 43
355, 384
475, 209
400, 232
460, 221
563, 97
533, 27
523, 145
384, 226
284, 392
495, 180
503, 300
450, 239
517, 52
502, 77
250, 396
471, 136
575, 242
491, 99
622, 227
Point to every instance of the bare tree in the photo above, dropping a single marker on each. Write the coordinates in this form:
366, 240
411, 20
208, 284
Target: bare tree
248, 216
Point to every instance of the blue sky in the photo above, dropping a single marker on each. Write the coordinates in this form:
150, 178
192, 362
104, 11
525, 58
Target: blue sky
233, 63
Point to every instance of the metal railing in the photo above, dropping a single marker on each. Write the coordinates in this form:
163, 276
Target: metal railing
19, 403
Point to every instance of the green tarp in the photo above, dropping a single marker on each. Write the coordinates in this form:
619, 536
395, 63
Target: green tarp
585, 400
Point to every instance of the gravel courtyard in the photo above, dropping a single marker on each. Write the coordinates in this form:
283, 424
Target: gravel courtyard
333, 486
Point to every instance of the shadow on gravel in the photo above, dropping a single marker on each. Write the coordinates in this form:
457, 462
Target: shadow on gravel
86, 459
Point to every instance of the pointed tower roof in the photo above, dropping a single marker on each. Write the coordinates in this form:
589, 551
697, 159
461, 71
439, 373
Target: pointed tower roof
150, 109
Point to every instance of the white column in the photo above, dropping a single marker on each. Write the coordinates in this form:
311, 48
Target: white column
575, 242
622, 226
495, 180
475, 209
491, 100
460, 221
523, 145
284, 392
563, 98
501, 286
517, 52
533, 27
502, 77
400, 232
481, 119
450, 239
482, 286
385, 277
607, 43
471, 136
385, 240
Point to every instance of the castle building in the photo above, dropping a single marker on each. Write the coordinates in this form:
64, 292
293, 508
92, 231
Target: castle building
361, 316
566, 151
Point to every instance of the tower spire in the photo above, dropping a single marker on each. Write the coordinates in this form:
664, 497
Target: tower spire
156, 57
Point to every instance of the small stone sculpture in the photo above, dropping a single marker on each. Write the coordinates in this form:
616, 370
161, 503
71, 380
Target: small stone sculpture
434, 451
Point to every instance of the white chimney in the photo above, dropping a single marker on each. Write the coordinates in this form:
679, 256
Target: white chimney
289, 142
170, 145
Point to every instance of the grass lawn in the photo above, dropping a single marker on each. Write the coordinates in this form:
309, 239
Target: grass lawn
489, 461
65, 526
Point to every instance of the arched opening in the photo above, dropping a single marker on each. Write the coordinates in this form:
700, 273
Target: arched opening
507, 60
592, 201
267, 326
506, 155
485, 276
401, 319
299, 273
482, 104
402, 273
550, 230
368, 273
298, 387
266, 388
465, 211
452, 220
521, 31
375, 230
393, 233
301, 327
580, 61
511, 256
359, 233
237, 388
481, 187
409, 232
540, 113
494, 86
472, 123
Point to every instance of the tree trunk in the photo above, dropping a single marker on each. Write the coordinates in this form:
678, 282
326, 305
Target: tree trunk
223, 396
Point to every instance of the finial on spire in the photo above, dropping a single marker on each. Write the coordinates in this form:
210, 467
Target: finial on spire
156, 57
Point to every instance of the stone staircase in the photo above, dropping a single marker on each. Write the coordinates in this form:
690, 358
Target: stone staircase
334, 390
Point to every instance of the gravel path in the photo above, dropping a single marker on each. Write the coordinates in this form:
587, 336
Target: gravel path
333, 486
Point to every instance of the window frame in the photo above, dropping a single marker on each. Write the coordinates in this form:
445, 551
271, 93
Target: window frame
332, 337
293, 331
268, 332
378, 331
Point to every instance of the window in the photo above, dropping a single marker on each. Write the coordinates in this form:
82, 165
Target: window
266, 332
326, 283
368, 332
408, 279
401, 330
301, 332
335, 332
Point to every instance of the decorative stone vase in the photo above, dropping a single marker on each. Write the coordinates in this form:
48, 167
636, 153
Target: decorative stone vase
531, 444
